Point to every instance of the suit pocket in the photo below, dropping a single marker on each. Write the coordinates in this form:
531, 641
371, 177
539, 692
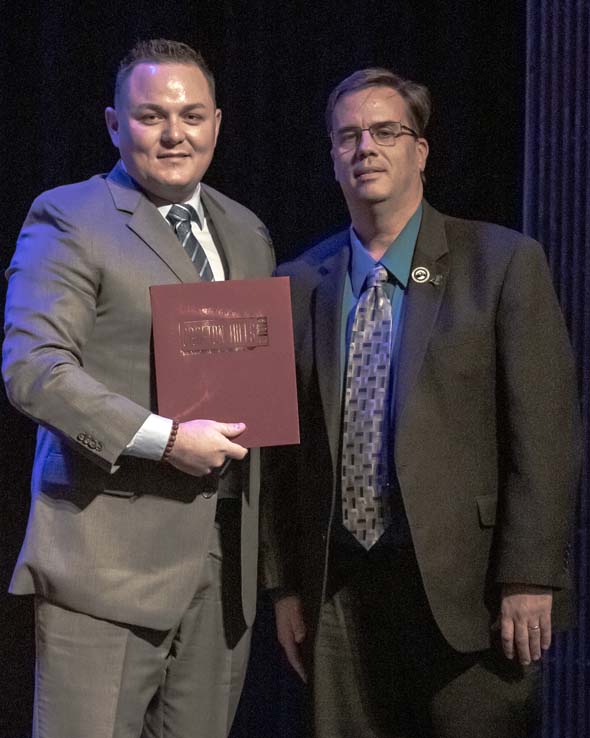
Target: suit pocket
70, 477
487, 506
118, 493
60, 481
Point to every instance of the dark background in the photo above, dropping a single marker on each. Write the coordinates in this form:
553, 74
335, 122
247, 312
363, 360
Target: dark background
275, 64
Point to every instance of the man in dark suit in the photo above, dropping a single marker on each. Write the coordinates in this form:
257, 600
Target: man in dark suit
417, 541
136, 547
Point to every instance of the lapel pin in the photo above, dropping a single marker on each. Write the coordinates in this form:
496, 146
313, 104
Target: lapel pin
420, 275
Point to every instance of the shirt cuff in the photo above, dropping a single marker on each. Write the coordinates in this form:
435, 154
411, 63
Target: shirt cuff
150, 440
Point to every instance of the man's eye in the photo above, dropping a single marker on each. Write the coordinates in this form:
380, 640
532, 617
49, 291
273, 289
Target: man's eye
347, 136
194, 118
384, 133
149, 118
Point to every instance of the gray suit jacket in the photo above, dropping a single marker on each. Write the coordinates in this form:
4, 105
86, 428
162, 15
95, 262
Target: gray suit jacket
487, 436
113, 536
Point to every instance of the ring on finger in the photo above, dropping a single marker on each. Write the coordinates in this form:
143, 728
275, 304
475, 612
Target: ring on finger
533, 627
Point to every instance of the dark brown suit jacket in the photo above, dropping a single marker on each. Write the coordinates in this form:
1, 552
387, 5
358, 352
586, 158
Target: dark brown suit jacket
487, 442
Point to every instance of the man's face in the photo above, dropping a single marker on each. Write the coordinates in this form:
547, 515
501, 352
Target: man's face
370, 173
165, 126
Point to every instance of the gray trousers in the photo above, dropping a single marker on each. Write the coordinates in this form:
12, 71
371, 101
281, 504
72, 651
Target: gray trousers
102, 679
382, 669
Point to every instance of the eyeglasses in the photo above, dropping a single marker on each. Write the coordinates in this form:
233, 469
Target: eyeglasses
383, 134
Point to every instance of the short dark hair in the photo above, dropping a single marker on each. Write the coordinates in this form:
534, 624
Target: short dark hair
416, 96
161, 51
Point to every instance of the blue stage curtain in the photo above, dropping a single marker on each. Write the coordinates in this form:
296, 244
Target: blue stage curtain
557, 212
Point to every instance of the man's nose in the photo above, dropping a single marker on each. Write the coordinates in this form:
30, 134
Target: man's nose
173, 132
366, 144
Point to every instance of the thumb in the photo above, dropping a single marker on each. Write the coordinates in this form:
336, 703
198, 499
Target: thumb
299, 630
299, 635
231, 430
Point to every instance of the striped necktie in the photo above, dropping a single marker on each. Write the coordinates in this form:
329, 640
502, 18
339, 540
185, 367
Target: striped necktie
365, 506
180, 216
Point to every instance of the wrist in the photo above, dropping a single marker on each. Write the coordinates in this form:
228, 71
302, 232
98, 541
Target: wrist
171, 441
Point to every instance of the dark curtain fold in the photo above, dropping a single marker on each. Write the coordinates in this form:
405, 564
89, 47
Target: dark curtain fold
557, 212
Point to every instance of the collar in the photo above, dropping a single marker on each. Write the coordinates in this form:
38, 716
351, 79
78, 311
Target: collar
195, 201
397, 259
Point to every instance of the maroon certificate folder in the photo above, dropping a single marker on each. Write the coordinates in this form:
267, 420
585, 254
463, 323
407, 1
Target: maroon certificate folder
224, 351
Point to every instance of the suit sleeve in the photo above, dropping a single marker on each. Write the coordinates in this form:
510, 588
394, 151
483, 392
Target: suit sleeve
278, 559
53, 283
279, 562
539, 431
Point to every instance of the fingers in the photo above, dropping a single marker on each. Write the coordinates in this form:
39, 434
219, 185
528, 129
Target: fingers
545, 626
534, 641
291, 631
229, 449
204, 445
522, 643
525, 621
299, 631
507, 635
230, 430
294, 658
235, 451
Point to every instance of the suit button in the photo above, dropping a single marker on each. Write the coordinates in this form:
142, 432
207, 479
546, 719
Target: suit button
208, 494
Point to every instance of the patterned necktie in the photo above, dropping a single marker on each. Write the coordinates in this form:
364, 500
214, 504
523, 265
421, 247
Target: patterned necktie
365, 510
180, 217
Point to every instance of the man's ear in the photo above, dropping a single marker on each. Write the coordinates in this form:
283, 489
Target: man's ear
422, 147
333, 156
217, 123
112, 121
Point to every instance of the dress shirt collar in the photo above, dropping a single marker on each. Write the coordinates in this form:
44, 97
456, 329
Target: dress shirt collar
397, 259
195, 201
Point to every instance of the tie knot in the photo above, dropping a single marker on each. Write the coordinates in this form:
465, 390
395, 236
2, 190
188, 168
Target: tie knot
182, 213
377, 276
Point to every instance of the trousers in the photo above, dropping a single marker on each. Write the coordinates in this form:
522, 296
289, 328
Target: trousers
101, 679
382, 669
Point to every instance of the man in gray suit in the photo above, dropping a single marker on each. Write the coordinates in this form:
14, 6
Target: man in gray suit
141, 556
417, 541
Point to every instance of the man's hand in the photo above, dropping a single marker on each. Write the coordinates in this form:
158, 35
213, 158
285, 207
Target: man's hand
525, 621
291, 630
203, 445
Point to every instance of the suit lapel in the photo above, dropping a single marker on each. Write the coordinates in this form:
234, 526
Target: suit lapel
147, 223
228, 234
422, 303
327, 337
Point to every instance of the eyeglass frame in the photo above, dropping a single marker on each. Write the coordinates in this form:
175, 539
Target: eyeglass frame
404, 131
